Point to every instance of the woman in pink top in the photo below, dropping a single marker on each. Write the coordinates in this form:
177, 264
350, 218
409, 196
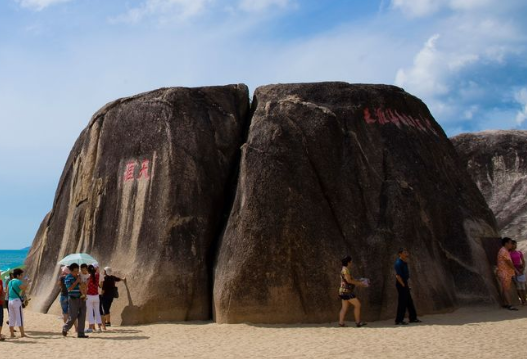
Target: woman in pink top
519, 264
505, 272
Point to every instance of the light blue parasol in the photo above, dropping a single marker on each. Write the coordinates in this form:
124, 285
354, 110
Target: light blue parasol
79, 258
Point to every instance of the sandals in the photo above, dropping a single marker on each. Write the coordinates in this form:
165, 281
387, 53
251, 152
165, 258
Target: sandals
342, 325
510, 307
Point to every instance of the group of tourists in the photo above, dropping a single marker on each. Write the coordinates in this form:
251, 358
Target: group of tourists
510, 269
82, 293
402, 276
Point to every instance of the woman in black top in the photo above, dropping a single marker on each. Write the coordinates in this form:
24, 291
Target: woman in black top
108, 294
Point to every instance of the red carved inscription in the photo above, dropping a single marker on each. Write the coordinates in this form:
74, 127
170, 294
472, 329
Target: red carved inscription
143, 173
367, 116
385, 116
129, 171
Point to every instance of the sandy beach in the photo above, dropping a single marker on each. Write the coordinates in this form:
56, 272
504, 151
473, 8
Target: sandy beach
466, 333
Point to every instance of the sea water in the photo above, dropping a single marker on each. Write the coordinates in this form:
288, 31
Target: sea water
12, 258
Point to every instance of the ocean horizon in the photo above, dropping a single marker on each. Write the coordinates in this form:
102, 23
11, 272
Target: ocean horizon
12, 258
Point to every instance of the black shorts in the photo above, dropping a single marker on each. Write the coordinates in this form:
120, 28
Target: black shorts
347, 296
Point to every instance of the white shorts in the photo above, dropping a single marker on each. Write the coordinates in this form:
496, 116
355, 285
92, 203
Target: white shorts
16, 316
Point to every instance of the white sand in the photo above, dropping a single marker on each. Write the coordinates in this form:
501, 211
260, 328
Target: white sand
468, 333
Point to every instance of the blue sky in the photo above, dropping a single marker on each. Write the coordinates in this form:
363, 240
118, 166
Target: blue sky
61, 60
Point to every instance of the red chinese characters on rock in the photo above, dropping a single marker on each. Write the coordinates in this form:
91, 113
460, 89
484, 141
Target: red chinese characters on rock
386, 116
143, 173
129, 172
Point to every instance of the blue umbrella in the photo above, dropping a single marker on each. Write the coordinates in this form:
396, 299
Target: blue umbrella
79, 258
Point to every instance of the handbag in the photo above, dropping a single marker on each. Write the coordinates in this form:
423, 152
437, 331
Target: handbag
115, 292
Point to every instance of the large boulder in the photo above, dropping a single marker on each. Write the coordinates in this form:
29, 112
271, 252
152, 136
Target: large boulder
331, 169
144, 191
328, 169
497, 161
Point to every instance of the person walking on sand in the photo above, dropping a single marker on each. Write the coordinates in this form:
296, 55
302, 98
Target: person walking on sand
347, 284
405, 301
76, 306
93, 301
16, 318
109, 291
506, 272
1, 309
519, 265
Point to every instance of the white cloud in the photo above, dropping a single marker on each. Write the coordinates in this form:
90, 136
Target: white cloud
38, 5
180, 10
167, 9
261, 5
418, 8
462, 75
521, 98
421, 8
424, 77
469, 4
459, 61
469, 113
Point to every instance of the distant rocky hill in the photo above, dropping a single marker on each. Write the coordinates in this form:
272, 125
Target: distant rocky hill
497, 161
215, 210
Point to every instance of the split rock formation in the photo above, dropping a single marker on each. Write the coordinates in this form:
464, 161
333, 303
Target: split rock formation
157, 187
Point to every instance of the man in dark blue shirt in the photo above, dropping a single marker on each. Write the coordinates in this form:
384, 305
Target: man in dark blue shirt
77, 306
405, 301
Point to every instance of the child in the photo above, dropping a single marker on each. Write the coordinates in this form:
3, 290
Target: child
85, 277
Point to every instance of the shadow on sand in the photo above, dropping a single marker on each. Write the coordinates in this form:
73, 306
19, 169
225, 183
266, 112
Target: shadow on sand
460, 317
